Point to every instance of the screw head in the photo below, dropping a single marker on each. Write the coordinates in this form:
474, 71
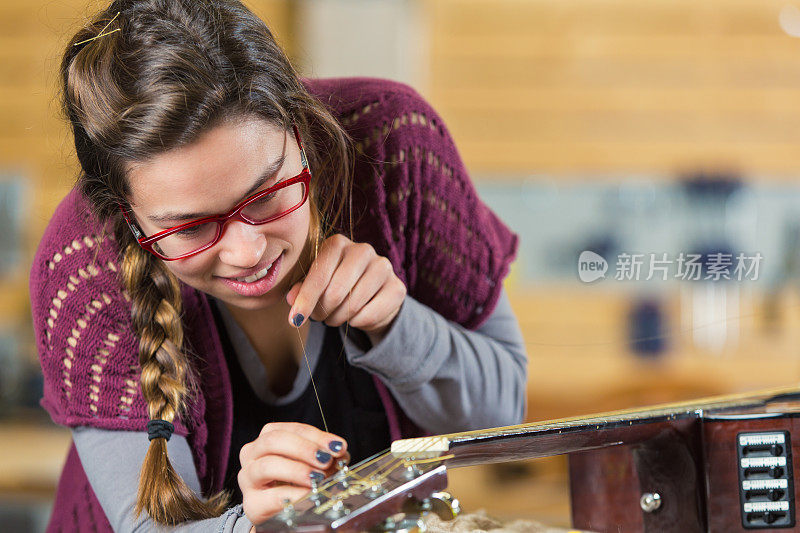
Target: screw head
650, 501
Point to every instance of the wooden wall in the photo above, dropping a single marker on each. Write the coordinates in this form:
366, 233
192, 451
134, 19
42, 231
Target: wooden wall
526, 86
34, 140
589, 86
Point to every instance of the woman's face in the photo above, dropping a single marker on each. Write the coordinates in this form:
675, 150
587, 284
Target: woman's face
210, 176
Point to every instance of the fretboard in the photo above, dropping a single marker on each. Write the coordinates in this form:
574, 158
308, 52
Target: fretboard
569, 426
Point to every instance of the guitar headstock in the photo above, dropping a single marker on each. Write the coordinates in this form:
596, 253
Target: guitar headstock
370, 495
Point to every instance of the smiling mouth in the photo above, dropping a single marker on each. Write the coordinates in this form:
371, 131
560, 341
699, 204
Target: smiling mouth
257, 276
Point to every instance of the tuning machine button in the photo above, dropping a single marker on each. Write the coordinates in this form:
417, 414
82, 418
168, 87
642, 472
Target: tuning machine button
337, 510
444, 505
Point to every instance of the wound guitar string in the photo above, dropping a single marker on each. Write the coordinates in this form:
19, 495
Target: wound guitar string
361, 483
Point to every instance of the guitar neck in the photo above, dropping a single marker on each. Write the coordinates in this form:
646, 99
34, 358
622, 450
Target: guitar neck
567, 435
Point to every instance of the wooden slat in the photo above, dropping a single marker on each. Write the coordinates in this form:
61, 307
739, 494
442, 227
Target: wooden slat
639, 72
530, 86
629, 100
588, 17
775, 162
689, 47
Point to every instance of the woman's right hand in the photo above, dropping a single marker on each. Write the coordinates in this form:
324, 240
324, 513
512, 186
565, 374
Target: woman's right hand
278, 465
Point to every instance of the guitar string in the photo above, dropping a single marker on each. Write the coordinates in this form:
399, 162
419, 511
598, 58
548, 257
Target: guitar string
311, 375
400, 461
352, 473
382, 473
730, 400
542, 425
355, 470
431, 460
303, 346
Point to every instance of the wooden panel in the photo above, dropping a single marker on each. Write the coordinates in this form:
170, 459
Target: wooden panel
481, 18
279, 17
585, 87
33, 458
580, 360
34, 140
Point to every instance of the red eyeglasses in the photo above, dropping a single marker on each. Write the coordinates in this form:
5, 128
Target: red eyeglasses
191, 238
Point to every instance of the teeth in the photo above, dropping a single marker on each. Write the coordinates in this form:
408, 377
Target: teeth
257, 276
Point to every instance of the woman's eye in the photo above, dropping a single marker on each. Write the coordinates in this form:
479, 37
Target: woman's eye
266, 198
188, 232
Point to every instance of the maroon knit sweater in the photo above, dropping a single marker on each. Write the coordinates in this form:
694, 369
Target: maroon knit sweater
413, 201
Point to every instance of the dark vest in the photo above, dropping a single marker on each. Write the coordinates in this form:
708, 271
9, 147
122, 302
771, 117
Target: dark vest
353, 409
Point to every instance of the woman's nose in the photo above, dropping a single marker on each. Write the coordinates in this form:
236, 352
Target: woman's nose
242, 245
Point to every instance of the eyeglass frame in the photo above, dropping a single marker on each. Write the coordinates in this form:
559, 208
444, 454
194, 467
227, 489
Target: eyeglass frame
222, 220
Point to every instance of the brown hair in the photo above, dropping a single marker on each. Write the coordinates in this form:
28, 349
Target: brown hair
175, 69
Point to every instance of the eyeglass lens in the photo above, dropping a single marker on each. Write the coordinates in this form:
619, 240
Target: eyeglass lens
195, 237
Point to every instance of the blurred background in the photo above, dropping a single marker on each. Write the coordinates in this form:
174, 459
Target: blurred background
655, 135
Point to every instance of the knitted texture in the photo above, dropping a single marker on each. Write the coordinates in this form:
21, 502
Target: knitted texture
412, 200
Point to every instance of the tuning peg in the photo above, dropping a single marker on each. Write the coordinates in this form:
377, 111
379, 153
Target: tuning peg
375, 488
337, 510
287, 515
411, 471
343, 472
425, 506
315, 496
405, 524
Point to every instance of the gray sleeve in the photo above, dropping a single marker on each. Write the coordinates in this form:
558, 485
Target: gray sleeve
112, 461
445, 377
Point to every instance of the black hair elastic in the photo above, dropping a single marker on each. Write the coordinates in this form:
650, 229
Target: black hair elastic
157, 429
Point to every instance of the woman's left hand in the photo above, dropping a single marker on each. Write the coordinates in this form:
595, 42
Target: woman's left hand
348, 282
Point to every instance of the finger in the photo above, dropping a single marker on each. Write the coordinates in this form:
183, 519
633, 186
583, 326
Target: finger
291, 296
334, 468
381, 310
321, 440
377, 273
307, 431
317, 279
356, 262
259, 505
292, 446
263, 472
355, 258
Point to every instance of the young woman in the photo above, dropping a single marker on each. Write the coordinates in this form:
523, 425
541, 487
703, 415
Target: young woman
283, 273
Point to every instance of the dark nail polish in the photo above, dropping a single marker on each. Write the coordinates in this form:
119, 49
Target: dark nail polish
298, 320
335, 445
323, 457
316, 476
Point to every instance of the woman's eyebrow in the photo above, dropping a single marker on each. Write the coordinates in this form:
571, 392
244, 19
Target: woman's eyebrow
269, 172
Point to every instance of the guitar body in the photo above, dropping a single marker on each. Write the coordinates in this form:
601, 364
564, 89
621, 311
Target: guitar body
695, 467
